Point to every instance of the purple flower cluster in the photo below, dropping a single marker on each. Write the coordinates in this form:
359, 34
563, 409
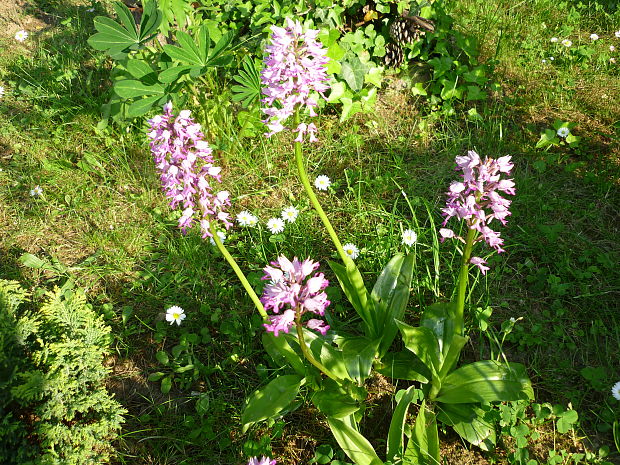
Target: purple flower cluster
287, 291
186, 169
294, 68
476, 199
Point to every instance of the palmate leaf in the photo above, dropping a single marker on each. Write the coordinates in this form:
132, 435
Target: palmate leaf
196, 51
249, 89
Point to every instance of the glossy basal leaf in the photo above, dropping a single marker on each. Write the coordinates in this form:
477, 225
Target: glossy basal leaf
129, 88
390, 296
452, 355
353, 286
395, 445
333, 401
404, 365
328, 355
142, 106
358, 354
439, 318
353, 443
486, 381
423, 447
282, 353
270, 400
468, 421
422, 342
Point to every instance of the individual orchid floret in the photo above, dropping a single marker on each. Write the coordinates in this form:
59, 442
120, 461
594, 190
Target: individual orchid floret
293, 76
294, 289
187, 170
477, 200
480, 263
262, 461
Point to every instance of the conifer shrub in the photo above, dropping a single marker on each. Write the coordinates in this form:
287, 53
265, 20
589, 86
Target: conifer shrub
54, 407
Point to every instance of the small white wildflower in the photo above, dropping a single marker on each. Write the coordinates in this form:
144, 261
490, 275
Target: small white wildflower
544, 61
275, 225
512, 320
554, 39
409, 237
615, 390
20, 36
563, 132
551, 58
322, 182
221, 235
36, 192
1, 91
175, 314
289, 214
612, 60
90, 10
612, 48
593, 37
567, 43
351, 250
245, 218
617, 33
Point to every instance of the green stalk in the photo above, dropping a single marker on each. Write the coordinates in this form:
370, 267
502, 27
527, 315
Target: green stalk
313, 199
463, 281
233, 264
306, 352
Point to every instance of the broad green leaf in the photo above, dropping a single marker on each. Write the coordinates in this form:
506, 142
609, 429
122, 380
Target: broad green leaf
358, 353
352, 284
334, 401
162, 357
338, 89
166, 385
390, 296
125, 17
150, 21
486, 381
138, 68
353, 443
324, 352
106, 41
140, 107
451, 357
422, 342
566, 420
129, 88
214, 57
107, 25
475, 93
189, 46
468, 421
404, 365
353, 72
32, 261
281, 352
172, 74
423, 447
395, 446
270, 400
156, 376
439, 318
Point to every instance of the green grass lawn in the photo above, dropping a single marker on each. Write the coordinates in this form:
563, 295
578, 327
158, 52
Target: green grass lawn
102, 221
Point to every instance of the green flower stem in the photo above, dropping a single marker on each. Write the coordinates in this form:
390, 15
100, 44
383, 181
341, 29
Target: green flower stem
463, 281
315, 202
306, 352
233, 264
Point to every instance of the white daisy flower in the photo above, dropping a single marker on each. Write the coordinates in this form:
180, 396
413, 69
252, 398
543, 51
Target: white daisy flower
245, 218
36, 192
615, 390
322, 182
409, 237
351, 250
593, 37
554, 39
221, 235
289, 214
563, 132
275, 225
567, 43
20, 36
175, 314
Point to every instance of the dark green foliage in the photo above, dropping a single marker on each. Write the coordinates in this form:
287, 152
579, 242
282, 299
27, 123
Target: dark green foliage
54, 407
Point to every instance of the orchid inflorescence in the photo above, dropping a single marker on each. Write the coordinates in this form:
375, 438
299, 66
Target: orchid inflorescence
294, 70
288, 293
477, 201
187, 170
